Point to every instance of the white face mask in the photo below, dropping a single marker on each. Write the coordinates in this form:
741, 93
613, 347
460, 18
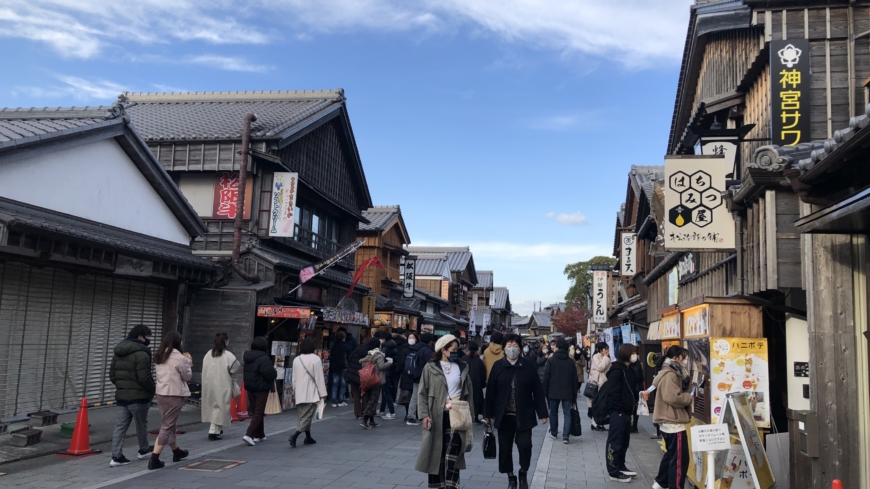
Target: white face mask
412, 342
525, 349
634, 358
545, 351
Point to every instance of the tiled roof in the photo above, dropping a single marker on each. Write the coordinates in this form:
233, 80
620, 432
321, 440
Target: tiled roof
380, 217
500, 297
542, 319
219, 115
644, 176
484, 279
520, 321
458, 257
43, 221
431, 297
431, 264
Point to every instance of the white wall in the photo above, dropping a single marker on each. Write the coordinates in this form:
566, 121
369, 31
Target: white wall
797, 344
97, 182
199, 190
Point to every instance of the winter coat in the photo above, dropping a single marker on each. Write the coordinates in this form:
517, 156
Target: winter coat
173, 375
672, 402
492, 354
377, 357
389, 350
541, 362
598, 372
621, 394
338, 357
637, 369
560, 377
130, 371
260, 373
351, 374
307, 390
530, 396
406, 383
217, 387
477, 374
432, 399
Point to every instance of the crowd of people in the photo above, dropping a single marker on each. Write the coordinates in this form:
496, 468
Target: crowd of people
445, 384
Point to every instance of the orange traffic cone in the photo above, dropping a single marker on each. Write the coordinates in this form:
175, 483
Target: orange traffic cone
836, 484
80, 446
234, 410
243, 405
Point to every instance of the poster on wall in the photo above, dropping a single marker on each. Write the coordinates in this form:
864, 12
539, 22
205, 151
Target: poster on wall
282, 212
696, 321
627, 259
673, 286
670, 326
741, 365
696, 215
599, 297
289, 401
280, 348
226, 195
699, 359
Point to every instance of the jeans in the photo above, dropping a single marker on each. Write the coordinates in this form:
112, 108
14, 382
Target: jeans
554, 417
675, 462
387, 396
412, 407
339, 388
618, 437
507, 435
126, 414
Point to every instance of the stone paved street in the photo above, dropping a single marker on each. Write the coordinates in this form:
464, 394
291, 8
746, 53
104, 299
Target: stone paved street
345, 456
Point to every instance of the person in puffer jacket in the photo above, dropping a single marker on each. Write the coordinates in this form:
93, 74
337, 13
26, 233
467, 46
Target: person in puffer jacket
130, 371
388, 409
372, 395
260, 375
672, 414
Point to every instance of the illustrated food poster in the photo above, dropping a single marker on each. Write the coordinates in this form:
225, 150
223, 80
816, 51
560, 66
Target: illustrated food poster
741, 365
746, 464
289, 401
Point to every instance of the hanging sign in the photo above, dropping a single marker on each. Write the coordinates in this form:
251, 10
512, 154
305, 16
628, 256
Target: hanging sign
697, 218
486, 318
599, 296
409, 276
282, 215
335, 315
790, 92
309, 272
670, 326
628, 261
283, 312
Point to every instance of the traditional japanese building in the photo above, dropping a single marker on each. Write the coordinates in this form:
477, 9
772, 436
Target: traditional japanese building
502, 311
95, 238
456, 289
300, 141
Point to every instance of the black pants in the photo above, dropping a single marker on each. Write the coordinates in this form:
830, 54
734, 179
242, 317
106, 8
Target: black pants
675, 463
634, 420
507, 435
618, 437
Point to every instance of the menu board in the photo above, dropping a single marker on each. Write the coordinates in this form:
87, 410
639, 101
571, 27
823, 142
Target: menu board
741, 365
697, 321
747, 464
671, 326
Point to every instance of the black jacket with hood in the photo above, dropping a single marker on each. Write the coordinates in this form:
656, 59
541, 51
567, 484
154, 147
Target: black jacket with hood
260, 373
530, 398
130, 371
560, 377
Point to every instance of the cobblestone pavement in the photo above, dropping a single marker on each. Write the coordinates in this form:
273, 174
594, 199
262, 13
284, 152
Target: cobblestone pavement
345, 456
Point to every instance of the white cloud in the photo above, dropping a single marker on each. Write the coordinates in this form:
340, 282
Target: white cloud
81, 89
229, 63
575, 219
636, 32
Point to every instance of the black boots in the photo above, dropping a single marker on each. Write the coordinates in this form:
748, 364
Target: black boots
524, 482
512, 482
308, 439
155, 463
293, 439
212, 437
178, 455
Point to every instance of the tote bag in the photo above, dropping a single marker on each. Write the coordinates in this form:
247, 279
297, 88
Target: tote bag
576, 425
489, 443
273, 404
460, 415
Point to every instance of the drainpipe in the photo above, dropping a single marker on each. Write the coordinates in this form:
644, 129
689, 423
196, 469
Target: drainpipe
738, 223
240, 203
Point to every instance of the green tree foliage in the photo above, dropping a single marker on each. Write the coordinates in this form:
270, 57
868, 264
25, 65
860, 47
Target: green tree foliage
580, 275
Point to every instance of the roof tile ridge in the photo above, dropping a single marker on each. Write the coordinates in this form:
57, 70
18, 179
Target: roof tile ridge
234, 96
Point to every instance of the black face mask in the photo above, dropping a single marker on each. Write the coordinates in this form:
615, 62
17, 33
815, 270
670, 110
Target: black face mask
146, 342
454, 356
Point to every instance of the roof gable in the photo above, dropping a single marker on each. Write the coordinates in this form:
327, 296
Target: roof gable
484, 279
383, 217
459, 258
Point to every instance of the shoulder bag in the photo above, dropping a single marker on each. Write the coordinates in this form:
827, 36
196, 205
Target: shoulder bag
236, 389
591, 390
273, 403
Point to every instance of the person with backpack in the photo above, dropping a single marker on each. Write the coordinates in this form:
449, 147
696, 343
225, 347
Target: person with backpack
560, 387
422, 353
372, 374
598, 376
130, 371
406, 381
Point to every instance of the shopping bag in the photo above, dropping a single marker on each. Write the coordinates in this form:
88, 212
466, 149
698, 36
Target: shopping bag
321, 405
273, 403
642, 408
460, 415
489, 449
368, 377
591, 390
576, 425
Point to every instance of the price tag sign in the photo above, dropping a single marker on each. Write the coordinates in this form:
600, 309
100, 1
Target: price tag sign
710, 438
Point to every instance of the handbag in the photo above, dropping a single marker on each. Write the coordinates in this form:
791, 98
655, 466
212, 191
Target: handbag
489, 443
460, 415
236, 389
368, 377
591, 390
321, 404
273, 404
576, 425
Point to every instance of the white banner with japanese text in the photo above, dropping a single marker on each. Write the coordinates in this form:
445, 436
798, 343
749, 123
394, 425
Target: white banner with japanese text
283, 209
697, 218
599, 296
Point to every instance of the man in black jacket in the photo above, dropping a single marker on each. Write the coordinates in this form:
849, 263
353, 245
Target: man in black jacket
477, 374
636, 368
130, 371
337, 364
514, 396
561, 386
424, 353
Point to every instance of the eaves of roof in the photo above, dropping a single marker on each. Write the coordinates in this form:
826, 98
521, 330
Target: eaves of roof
295, 264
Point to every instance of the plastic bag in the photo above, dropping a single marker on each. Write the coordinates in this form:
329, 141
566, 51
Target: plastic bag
642, 408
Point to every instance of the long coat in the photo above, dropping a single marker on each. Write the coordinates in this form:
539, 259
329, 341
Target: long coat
432, 399
530, 398
477, 373
598, 372
217, 387
308, 390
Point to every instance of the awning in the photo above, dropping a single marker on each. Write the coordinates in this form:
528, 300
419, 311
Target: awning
849, 216
655, 331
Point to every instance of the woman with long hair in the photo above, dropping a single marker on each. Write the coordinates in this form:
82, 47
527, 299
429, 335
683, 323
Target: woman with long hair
672, 414
218, 368
174, 370
260, 375
598, 369
442, 451
309, 388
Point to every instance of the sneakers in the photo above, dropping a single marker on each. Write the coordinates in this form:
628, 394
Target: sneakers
412, 422
378, 413
566, 441
620, 478
250, 441
553, 435
178, 456
119, 461
342, 404
334, 405
258, 440
657, 486
365, 425
388, 416
145, 454
627, 472
373, 424
155, 464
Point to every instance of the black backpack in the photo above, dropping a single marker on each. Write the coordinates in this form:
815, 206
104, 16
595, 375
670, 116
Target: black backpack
411, 367
600, 411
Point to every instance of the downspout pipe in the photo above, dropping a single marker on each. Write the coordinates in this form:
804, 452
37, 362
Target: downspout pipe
240, 203
741, 280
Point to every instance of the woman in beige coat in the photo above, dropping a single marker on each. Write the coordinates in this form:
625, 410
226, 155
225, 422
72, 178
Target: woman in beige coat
173, 369
598, 375
309, 388
218, 368
442, 451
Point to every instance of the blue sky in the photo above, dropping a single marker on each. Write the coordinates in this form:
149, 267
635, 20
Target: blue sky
505, 125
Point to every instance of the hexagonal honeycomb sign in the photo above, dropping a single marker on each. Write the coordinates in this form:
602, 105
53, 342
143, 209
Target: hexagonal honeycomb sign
696, 218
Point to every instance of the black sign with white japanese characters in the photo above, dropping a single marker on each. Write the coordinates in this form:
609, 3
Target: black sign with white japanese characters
409, 275
790, 92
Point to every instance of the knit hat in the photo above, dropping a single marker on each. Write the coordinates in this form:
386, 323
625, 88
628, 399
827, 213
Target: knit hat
443, 342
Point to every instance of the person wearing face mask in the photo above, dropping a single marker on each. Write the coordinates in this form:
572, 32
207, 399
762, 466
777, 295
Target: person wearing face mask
130, 371
369, 399
541, 360
218, 368
620, 400
672, 414
442, 450
529, 354
561, 386
598, 369
636, 368
407, 357
515, 399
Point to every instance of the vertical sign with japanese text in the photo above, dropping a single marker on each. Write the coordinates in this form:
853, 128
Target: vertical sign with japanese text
409, 275
283, 208
790, 92
697, 218
599, 296
226, 195
628, 261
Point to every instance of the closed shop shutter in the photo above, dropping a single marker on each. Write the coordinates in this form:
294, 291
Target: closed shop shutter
58, 331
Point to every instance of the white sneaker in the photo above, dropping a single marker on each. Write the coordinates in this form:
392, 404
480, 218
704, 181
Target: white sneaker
258, 440
388, 416
334, 405
249, 440
657, 486
343, 404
